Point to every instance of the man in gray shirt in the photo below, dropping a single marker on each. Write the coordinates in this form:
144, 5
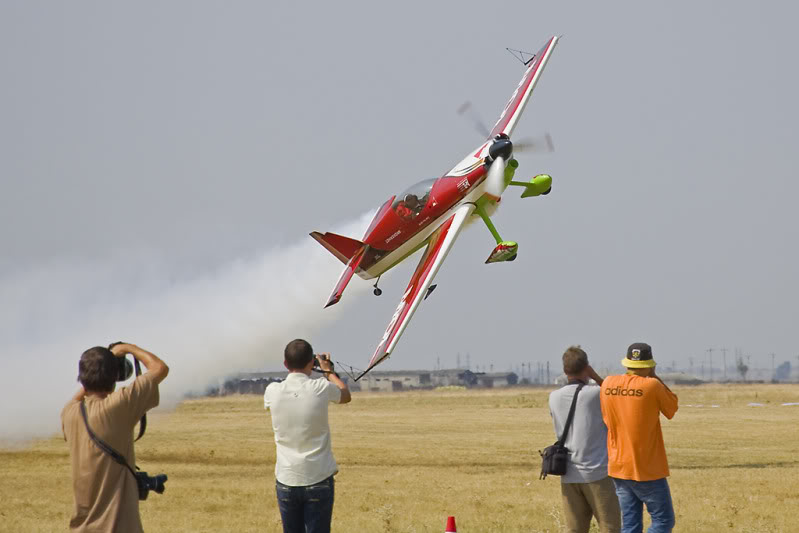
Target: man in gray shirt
586, 488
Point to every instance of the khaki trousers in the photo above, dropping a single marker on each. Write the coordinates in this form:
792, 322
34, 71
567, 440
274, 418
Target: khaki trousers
581, 501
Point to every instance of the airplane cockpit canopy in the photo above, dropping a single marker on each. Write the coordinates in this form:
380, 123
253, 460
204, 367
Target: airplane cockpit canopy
410, 202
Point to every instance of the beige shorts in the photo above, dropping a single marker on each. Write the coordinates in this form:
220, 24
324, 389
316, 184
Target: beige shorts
581, 501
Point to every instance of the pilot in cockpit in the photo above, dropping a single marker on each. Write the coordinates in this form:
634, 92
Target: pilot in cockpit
408, 208
412, 202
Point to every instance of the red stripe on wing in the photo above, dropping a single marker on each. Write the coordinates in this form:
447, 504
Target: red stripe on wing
518, 97
438, 246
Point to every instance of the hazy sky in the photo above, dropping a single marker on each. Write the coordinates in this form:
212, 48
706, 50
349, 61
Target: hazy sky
163, 162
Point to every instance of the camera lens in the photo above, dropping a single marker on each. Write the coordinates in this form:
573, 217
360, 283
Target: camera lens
157, 483
125, 369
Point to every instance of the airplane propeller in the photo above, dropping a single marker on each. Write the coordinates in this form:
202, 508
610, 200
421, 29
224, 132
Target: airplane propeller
541, 144
469, 112
535, 145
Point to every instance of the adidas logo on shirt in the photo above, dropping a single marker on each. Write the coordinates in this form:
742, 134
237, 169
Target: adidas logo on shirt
619, 391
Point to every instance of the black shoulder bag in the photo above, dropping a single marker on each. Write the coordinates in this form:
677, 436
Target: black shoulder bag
555, 458
144, 483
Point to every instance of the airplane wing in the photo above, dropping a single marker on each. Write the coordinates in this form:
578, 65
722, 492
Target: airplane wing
513, 110
437, 249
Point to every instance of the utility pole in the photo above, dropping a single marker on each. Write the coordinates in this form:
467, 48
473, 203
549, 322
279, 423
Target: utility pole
548, 382
724, 355
773, 376
710, 353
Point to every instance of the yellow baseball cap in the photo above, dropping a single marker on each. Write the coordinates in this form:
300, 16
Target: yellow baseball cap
639, 355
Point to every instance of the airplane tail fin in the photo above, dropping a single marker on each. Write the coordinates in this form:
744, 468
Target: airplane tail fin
342, 247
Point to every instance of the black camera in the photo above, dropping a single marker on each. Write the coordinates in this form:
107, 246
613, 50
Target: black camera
125, 367
150, 483
318, 368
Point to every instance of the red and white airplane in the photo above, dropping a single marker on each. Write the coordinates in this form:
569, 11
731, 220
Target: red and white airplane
431, 214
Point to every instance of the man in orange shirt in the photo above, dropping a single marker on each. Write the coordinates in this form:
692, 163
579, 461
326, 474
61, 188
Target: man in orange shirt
631, 406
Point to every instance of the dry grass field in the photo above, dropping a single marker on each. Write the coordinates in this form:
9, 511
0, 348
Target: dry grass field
410, 459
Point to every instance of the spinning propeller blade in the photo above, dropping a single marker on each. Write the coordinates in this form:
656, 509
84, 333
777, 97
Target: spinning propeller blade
532, 145
477, 121
535, 145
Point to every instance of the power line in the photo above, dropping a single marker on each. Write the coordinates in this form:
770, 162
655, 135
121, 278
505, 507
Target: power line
710, 352
724, 355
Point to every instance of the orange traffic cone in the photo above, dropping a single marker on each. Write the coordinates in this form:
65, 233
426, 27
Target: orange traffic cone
451, 525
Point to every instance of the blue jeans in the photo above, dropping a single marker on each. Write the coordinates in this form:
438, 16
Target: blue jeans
306, 509
657, 497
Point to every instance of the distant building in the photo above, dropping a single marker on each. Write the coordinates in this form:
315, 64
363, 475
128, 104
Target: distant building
377, 381
496, 379
253, 383
394, 380
454, 377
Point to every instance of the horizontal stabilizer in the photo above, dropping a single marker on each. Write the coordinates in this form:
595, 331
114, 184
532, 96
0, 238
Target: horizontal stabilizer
342, 247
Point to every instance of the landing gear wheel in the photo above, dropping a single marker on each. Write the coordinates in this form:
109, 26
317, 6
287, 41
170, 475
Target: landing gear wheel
548, 191
377, 290
512, 258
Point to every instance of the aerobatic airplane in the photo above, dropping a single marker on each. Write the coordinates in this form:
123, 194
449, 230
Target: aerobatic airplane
431, 214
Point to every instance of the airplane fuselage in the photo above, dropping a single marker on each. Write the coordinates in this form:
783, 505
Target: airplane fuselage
397, 232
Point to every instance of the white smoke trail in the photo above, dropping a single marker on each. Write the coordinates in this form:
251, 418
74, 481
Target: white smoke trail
204, 328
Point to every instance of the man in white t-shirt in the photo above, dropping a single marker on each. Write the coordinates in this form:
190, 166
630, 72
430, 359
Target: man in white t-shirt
305, 466
586, 488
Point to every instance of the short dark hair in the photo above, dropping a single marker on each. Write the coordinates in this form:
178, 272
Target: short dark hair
98, 369
298, 354
574, 360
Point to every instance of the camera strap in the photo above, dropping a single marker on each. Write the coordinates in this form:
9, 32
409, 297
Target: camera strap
115, 455
143, 421
562, 439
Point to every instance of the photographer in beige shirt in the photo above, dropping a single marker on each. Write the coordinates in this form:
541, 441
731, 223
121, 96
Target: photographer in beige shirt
106, 493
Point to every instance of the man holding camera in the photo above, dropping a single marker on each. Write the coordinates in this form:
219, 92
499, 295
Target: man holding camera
586, 488
106, 492
305, 466
631, 406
